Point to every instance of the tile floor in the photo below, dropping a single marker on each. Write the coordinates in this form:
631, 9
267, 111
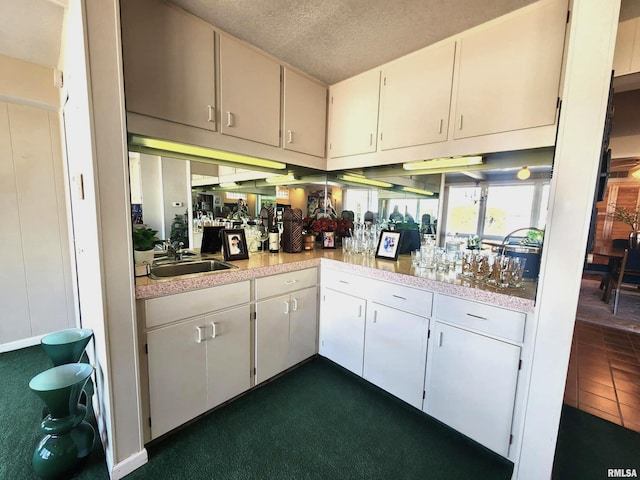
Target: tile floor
604, 374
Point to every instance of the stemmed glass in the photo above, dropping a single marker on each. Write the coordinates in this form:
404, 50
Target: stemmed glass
263, 235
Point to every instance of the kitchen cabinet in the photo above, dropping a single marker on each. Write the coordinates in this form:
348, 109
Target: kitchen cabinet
508, 72
305, 114
472, 369
286, 324
198, 352
342, 326
249, 93
416, 97
626, 58
353, 123
395, 350
169, 64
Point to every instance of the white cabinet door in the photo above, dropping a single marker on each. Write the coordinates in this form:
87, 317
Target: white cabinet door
249, 93
395, 350
353, 106
177, 357
416, 95
228, 354
272, 337
626, 58
303, 325
305, 114
342, 329
471, 384
169, 63
509, 72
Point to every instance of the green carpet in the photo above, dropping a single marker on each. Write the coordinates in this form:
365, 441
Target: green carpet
589, 446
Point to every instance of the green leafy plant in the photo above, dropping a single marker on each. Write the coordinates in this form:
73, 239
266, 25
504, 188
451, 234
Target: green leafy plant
630, 217
144, 238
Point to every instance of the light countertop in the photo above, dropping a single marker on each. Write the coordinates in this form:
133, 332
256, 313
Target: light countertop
263, 264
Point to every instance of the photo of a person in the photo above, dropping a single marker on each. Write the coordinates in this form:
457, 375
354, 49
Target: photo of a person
388, 244
328, 240
241, 208
235, 245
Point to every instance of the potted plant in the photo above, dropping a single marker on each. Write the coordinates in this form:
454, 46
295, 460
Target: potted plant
144, 239
631, 218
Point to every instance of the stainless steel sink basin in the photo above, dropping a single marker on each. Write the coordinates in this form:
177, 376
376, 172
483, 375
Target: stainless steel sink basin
186, 268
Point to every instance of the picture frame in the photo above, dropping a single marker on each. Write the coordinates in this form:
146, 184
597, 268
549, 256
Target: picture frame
234, 242
388, 244
328, 239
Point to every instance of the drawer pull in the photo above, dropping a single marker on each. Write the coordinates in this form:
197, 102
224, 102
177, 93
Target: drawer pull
213, 330
295, 304
286, 308
477, 316
440, 339
399, 297
290, 282
345, 282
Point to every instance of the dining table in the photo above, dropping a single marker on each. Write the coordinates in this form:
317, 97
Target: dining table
614, 256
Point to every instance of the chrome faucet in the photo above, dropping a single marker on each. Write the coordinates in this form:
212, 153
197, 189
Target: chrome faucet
174, 253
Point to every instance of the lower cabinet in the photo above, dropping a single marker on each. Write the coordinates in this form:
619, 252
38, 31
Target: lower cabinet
395, 351
285, 331
195, 365
471, 384
342, 329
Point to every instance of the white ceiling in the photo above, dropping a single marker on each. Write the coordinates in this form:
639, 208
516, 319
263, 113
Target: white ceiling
329, 39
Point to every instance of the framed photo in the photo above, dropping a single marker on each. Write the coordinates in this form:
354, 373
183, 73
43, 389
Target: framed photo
235, 244
328, 239
388, 244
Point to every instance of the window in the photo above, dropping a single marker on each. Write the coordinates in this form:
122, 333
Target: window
507, 208
359, 201
463, 210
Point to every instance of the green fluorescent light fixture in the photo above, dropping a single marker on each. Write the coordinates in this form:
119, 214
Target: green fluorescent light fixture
419, 191
281, 179
204, 152
443, 163
365, 181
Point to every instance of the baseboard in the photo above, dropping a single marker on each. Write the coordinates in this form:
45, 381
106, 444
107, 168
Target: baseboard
22, 343
124, 468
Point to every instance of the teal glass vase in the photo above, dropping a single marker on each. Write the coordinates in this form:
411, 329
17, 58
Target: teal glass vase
66, 346
68, 437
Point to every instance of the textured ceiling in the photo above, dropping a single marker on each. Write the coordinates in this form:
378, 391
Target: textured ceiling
329, 39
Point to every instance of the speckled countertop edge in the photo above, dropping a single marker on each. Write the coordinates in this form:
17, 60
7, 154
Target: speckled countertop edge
400, 272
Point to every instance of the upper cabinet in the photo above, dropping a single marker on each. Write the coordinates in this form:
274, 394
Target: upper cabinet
626, 58
416, 96
353, 123
305, 114
492, 88
169, 64
509, 72
249, 93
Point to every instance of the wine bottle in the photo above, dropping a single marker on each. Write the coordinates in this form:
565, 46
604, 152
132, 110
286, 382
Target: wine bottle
274, 238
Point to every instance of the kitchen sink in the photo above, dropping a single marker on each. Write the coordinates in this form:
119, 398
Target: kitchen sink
189, 267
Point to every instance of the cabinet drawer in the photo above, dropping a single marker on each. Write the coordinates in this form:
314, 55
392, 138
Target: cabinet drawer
493, 320
347, 283
409, 299
285, 283
159, 311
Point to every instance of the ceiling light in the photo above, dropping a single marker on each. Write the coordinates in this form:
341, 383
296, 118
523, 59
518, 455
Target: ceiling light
635, 171
443, 163
203, 152
524, 173
228, 185
365, 181
281, 179
419, 191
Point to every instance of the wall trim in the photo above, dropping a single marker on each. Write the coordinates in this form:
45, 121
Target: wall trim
128, 465
22, 343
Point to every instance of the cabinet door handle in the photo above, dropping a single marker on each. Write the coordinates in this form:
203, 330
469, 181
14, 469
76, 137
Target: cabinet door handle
290, 282
440, 339
440, 127
295, 304
460, 124
375, 316
289, 136
476, 316
286, 308
211, 112
399, 297
213, 330
370, 139
359, 311
199, 330
229, 119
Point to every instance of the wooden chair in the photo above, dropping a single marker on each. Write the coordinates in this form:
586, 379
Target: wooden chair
627, 279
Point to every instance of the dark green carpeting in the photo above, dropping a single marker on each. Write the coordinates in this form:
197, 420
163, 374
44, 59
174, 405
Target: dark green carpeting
316, 422
589, 446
